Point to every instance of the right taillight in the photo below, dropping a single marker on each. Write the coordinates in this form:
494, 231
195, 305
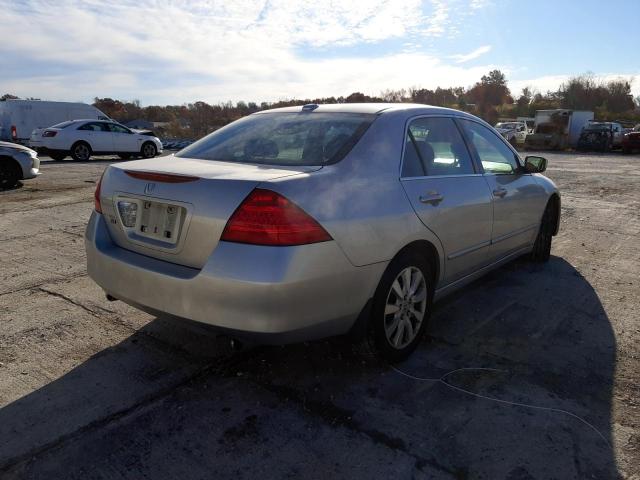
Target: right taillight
268, 218
96, 195
49, 133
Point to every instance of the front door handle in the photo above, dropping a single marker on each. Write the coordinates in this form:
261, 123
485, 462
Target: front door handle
434, 198
500, 192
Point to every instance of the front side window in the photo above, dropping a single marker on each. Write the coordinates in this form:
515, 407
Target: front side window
283, 139
95, 127
495, 155
434, 146
115, 128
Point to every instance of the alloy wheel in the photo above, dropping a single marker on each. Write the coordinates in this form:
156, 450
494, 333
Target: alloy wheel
148, 151
82, 152
405, 307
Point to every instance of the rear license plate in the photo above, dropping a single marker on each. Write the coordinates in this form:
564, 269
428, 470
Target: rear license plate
159, 221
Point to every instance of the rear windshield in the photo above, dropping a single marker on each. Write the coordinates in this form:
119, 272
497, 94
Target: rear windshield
283, 139
62, 125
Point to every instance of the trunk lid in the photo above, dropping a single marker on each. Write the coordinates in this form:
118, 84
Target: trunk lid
179, 222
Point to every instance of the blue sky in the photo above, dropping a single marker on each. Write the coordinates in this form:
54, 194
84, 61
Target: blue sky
178, 51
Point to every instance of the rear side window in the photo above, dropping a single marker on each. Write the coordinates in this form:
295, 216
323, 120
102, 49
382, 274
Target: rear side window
62, 125
283, 139
434, 146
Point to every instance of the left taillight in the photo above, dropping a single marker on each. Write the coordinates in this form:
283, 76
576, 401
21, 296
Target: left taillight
49, 133
96, 196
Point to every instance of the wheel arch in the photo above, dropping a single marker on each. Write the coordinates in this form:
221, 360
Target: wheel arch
150, 142
554, 202
15, 163
427, 250
81, 141
422, 247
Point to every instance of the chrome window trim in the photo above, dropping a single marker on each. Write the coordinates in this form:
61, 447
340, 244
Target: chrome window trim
466, 175
404, 147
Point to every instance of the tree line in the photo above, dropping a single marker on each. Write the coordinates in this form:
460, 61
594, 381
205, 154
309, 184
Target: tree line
490, 98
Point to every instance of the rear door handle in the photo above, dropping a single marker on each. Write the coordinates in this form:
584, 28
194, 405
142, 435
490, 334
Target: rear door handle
434, 198
500, 192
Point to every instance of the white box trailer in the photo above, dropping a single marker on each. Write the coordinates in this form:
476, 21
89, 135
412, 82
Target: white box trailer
558, 129
18, 118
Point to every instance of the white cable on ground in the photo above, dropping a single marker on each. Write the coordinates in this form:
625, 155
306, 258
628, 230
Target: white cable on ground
498, 400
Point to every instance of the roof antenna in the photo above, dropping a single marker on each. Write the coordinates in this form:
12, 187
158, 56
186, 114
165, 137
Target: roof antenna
309, 107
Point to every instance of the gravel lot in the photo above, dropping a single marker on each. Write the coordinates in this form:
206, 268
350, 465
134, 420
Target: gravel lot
93, 389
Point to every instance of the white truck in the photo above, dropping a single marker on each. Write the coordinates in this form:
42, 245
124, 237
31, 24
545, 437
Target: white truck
557, 129
19, 118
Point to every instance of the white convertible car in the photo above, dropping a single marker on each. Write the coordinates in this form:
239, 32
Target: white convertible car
83, 138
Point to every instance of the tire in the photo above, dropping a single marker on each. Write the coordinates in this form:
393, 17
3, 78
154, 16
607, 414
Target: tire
58, 157
124, 156
81, 151
148, 150
9, 174
382, 338
542, 246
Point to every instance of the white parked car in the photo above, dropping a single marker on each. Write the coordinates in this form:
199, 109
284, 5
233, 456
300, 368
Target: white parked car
17, 163
83, 138
514, 132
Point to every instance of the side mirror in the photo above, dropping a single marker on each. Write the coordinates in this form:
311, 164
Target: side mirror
535, 164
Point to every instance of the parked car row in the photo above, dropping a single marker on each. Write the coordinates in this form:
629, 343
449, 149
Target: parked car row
560, 129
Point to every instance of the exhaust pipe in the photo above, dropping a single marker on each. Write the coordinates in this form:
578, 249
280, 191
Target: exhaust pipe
236, 345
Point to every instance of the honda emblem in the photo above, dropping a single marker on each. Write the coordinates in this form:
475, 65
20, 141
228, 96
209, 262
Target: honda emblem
149, 188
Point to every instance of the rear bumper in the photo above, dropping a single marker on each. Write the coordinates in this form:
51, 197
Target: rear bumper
270, 294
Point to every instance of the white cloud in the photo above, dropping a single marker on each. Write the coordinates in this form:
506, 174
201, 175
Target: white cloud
174, 51
478, 52
478, 4
438, 22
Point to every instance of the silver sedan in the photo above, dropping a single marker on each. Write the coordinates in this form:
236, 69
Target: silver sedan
17, 163
306, 222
